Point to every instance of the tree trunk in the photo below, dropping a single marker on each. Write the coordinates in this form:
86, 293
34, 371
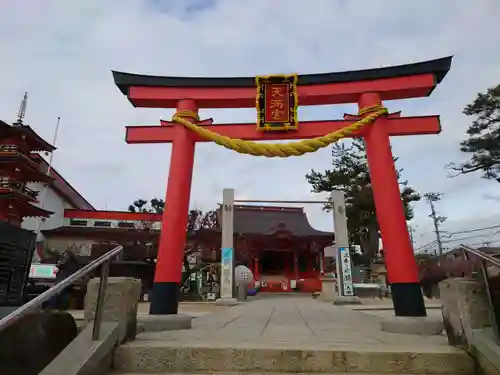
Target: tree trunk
187, 270
370, 247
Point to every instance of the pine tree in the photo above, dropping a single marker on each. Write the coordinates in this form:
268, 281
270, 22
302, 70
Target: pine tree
484, 136
350, 174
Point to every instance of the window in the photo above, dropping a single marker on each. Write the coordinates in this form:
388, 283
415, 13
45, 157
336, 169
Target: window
78, 222
124, 224
106, 224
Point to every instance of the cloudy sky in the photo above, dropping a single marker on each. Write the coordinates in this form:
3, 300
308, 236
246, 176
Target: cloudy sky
62, 53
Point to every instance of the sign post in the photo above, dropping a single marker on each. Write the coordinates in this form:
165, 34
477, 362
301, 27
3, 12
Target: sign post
345, 286
227, 251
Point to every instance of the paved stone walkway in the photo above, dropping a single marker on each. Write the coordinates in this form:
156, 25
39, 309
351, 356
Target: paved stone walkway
294, 320
195, 309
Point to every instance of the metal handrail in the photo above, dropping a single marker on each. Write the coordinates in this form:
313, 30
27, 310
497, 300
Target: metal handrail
484, 270
37, 302
482, 255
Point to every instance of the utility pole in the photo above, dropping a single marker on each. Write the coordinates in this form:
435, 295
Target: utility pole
411, 230
431, 198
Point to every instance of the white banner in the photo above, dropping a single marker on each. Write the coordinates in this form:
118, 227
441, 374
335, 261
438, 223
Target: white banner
345, 264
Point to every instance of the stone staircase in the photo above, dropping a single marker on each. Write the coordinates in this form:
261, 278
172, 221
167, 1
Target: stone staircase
285, 335
160, 357
280, 334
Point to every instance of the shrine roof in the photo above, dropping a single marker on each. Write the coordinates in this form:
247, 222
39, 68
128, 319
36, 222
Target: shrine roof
35, 142
267, 220
63, 187
438, 67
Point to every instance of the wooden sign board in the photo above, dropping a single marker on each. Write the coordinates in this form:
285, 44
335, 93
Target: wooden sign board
277, 103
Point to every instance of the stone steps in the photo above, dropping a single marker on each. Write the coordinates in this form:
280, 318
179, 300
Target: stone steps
161, 357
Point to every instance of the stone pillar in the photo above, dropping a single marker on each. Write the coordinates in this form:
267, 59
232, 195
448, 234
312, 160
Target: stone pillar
465, 308
328, 289
120, 304
227, 251
322, 262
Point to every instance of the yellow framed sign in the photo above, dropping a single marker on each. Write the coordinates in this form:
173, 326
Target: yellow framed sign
277, 102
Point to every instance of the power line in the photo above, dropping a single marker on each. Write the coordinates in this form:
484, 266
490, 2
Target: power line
484, 243
427, 244
448, 235
469, 237
472, 230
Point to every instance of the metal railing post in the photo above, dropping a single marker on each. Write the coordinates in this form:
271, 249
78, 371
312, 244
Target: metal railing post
103, 285
469, 264
494, 323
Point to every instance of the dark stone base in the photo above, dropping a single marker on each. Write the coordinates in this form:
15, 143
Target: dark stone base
30, 344
408, 299
165, 298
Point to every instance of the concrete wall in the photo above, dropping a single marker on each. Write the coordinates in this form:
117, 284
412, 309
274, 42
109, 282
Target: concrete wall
52, 202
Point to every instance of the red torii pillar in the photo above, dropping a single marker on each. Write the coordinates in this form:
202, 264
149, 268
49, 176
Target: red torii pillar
367, 88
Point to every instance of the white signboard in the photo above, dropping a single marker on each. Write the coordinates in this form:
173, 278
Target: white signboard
346, 272
43, 271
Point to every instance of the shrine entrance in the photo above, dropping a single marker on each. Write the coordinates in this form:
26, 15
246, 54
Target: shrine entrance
277, 98
274, 262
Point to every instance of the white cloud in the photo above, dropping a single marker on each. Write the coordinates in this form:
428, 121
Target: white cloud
62, 52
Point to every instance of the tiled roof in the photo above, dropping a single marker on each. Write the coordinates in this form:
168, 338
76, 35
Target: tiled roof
268, 220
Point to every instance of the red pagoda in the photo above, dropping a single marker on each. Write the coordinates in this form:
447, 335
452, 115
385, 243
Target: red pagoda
18, 166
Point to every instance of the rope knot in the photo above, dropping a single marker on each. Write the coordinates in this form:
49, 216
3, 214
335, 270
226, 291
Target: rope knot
187, 113
373, 108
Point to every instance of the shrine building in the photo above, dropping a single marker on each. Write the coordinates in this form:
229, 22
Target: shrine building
278, 244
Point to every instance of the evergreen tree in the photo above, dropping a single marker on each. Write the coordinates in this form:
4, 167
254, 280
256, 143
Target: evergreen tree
197, 221
350, 174
484, 136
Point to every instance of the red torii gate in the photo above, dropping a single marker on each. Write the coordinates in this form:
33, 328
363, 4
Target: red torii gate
365, 87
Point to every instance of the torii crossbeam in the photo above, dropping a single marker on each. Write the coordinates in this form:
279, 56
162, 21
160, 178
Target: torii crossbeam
365, 87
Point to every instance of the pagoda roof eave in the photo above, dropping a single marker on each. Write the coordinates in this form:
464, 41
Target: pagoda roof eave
37, 143
35, 211
29, 167
438, 67
26, 208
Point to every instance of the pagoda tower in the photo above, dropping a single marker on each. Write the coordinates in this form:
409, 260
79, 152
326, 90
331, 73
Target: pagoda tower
20, 164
